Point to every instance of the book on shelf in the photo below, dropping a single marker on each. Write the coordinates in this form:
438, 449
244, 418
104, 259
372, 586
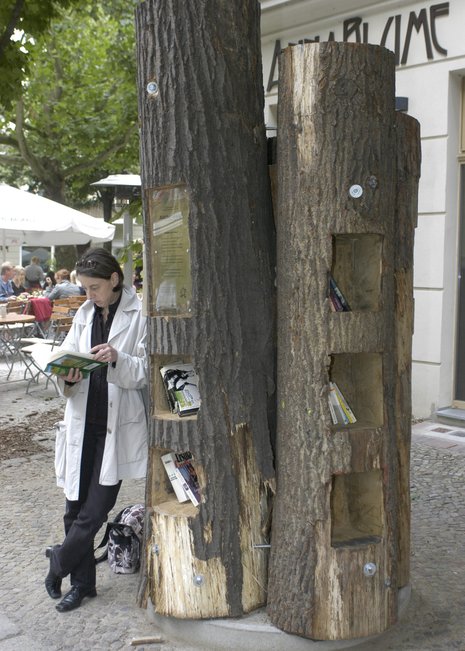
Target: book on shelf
181, 384
341, 413
182, 475
345, 405
59, 362
337, 299
170, 467
337, 413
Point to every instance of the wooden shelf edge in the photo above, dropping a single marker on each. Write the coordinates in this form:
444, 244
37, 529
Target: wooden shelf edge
173, 508
352, 427
167, 415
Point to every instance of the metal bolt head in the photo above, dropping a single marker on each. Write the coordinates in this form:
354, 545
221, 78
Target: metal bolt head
372, 182
355, 191
369, 569
152, 88
198, 580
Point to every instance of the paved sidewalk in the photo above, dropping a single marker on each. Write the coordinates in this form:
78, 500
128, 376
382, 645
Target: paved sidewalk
31, 509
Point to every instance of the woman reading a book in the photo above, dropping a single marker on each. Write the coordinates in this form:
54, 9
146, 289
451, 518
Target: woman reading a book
104, 438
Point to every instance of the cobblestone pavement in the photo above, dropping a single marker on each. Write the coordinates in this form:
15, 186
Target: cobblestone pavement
30, 513
434, 619
31, 510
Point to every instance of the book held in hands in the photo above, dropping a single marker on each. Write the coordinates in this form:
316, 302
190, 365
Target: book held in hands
182, 475
181, 384
59, 362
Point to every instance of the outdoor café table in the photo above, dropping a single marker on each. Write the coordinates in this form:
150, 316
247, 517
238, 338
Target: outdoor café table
11, 331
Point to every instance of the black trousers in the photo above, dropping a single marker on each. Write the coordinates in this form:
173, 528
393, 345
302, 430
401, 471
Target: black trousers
84, 517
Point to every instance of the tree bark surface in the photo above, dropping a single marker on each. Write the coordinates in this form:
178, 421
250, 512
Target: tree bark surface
334, 553
203, 128
408, 175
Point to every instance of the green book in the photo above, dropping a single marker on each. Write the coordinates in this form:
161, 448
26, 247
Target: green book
61, 361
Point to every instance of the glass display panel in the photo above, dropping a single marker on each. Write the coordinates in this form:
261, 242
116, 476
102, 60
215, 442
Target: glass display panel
171, 293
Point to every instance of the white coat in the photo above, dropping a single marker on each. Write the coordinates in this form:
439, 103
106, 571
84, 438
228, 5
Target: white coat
126, 449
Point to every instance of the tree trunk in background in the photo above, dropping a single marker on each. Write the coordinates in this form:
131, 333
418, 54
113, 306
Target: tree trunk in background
66, 256
335, 536
408, 174
203, 135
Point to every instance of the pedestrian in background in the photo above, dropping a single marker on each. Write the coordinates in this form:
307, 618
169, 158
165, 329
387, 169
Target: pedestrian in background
104, 437
34, 273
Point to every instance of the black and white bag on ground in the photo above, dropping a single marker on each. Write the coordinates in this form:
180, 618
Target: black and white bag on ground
123, 540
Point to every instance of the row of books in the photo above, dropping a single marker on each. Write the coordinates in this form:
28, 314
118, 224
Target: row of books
182, 475
181, 384
341, 413
337, 300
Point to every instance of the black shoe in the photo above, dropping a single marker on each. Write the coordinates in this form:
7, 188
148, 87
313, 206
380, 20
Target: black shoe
52, 580
74, 597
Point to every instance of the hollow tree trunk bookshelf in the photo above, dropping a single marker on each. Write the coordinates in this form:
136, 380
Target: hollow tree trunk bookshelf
209, 240
347, 186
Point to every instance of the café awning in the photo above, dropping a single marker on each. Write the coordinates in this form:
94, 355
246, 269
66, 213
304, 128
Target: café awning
29, 219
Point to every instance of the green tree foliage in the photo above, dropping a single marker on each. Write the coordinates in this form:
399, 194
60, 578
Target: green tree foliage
21, 21
75, 119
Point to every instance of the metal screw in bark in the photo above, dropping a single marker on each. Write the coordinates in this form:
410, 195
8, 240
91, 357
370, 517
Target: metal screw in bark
369, 569
355, 191
152, 88
199, 580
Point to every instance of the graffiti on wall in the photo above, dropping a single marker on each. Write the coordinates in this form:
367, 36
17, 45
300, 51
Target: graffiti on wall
419, 24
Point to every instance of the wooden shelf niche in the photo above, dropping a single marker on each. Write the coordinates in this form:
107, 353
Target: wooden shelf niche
165, 502
357, 268
357, 509
160, 401
177, 577
360, 378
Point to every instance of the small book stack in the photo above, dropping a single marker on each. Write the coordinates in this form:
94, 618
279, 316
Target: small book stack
341, 413
337, 299
182, 476
182, 388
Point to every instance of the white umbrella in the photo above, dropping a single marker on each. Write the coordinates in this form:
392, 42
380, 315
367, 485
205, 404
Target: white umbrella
29, 219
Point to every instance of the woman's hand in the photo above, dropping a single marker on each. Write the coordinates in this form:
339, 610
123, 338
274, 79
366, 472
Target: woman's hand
105, 353
73, 376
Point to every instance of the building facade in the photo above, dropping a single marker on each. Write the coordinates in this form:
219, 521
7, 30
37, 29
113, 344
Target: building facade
427, 39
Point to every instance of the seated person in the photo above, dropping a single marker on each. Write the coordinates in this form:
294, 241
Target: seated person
63, 288
75, 281
6, 286
18, 281
49, 282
